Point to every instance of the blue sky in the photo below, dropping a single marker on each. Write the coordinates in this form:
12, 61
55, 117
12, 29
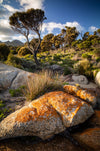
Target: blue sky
83, 14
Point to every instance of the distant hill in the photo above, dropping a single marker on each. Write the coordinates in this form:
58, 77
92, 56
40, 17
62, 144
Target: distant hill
13, 43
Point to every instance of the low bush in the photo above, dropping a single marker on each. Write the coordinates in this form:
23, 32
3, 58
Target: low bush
97, 52
85, 55
4, 51
3, 111
67, 71
17, 92
14, 61
82, 66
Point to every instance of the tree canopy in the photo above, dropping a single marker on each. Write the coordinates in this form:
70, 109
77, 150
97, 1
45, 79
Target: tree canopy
27, 22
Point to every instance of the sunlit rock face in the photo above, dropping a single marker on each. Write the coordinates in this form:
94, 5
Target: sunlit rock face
48, 115
83, 94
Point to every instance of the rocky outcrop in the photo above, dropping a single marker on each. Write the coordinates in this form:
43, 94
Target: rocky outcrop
83, 94
11, 77
46, 116
97, 79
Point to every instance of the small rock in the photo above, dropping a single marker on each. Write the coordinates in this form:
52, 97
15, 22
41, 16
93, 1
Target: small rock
55, 67
81, 79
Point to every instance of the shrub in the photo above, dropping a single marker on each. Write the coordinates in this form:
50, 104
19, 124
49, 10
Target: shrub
57, 57
18, 48
97, 52
82, 66
24, 51
14, 61
3, 111
67, 71
17, 92
4, 51
43, 82
13, 51
84, 45
98, 59
85, 55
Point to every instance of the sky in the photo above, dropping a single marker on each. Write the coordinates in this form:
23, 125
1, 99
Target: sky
82, 14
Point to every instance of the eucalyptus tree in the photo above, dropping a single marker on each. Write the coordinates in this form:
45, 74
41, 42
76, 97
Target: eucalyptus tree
27, 23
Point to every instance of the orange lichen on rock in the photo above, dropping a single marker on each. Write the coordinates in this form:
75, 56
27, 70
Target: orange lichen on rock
69, 107
83, 94
37, 110
46, 116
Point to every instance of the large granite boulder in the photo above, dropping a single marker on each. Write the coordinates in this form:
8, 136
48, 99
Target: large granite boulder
11, 77
48, 115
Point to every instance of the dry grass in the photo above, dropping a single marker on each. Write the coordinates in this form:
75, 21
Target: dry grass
44, 82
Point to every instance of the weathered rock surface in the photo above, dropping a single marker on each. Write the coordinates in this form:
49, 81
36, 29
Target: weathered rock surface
46, 116
81, 79
11, 77
83, 94
89, 138
97, 79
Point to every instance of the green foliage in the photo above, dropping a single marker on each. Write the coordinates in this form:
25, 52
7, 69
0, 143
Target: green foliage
4, 51
84, 45
74, 43
24, 51
15, 61
71, 35
57, 41
97, 52
25, 23
1, 104
17, 49
85, 36
46, 43
98, 59
17, 92
3, 110
84, 67
67, 71
86, 56
57, 57
12, 51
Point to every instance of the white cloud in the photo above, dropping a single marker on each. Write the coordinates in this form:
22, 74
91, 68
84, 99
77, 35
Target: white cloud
5, 31
1, 1
53, 25
27, 4
92, 29
10, 8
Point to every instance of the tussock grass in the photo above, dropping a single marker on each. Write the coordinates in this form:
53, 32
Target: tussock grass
45, 81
